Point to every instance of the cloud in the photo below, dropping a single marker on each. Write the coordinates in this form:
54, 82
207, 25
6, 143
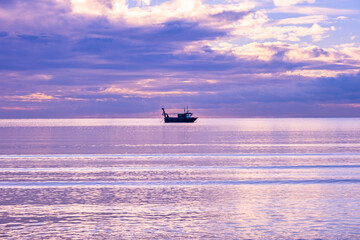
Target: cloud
43, 76
312, 10
257, 26
118, 11
340, 88
144, 93
302, 20
20, 108
291, 2
354, 105
305, 57
34, 97
344, 89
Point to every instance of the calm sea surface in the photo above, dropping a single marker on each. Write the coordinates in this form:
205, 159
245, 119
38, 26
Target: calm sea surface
213, 179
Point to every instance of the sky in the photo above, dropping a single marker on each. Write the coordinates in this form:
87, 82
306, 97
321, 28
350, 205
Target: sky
222, 58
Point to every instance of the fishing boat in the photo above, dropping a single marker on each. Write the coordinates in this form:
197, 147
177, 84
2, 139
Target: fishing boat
181, 117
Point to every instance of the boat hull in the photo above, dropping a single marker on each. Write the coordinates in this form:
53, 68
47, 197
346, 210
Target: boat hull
179, 120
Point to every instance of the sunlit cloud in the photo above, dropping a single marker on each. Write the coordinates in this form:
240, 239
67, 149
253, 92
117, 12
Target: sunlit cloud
351, 51
34, 97
355, 105
146, 14
143, 93
351, 105
21, 108
302, 20
291, 2
74, 99
315, 73
43, 76
286, 33
312, 10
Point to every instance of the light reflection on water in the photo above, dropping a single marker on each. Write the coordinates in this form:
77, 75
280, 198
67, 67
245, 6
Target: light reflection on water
216, 179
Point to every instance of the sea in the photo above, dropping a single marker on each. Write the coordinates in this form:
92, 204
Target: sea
236, 178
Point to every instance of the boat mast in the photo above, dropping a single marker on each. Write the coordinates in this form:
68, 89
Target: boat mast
164, 113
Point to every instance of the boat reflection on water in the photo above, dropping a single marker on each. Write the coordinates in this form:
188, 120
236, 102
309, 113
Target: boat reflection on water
181, 117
